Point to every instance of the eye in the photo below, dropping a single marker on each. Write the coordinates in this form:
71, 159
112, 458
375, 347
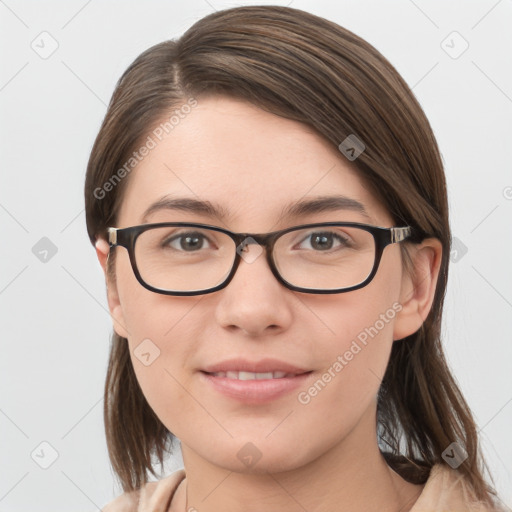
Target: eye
324, 241
189, 242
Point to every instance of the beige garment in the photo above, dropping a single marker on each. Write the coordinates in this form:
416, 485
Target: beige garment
444, 491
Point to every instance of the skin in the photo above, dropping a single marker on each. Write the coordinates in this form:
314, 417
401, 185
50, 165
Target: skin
322, 456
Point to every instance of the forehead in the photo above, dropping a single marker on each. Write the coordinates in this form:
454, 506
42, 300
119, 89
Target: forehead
250, 162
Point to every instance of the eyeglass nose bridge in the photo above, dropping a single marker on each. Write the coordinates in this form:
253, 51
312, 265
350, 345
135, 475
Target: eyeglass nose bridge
265, 241
244, 245
246, 239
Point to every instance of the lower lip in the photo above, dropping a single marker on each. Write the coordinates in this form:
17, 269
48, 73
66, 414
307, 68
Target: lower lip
256, 391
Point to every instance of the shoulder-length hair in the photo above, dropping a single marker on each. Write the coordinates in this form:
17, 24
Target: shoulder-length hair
302, 67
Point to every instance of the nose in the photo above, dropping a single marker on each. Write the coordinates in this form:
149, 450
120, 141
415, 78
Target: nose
254, 301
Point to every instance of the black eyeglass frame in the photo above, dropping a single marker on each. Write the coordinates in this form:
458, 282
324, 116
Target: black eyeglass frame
127, 237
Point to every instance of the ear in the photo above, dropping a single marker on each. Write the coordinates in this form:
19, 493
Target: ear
418, 287
114, 304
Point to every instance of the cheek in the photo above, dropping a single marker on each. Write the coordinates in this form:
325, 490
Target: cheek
147, 314
355, 362
161, 347
360, 325
160, 338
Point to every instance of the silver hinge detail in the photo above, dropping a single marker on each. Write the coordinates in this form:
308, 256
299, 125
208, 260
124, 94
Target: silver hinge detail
399, 234
112, 236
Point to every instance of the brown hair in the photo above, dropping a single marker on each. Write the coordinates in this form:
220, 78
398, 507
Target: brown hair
308, 69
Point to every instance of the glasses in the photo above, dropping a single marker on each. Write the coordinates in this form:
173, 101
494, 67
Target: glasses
192, 259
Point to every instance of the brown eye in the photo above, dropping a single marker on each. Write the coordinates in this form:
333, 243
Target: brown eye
324, 241
189, 242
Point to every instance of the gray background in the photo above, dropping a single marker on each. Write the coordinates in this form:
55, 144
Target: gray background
55, 322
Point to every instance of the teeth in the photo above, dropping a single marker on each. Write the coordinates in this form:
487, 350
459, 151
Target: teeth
252, 375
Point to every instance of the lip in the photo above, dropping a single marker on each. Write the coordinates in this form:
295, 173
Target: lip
255, 391
261, 366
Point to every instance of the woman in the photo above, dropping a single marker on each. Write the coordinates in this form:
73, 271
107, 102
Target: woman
268, 203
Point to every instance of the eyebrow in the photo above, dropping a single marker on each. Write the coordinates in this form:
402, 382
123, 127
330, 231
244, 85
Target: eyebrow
324, 204
299, 208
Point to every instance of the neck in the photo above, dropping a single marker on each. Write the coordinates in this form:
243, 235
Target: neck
350, 476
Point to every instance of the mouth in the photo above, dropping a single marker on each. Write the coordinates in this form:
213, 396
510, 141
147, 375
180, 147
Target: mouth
255, 387
242, 375
244, 369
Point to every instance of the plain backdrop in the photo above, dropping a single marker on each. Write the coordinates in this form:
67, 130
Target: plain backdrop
60, 62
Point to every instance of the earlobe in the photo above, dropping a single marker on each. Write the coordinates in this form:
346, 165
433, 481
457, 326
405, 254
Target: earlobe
102, 250
418, 287
114, 304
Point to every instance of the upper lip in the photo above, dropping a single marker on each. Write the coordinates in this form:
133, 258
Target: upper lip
261, 366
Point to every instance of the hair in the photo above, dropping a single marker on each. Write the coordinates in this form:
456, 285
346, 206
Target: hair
305, 68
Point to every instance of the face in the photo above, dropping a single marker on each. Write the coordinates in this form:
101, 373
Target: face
253, 164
